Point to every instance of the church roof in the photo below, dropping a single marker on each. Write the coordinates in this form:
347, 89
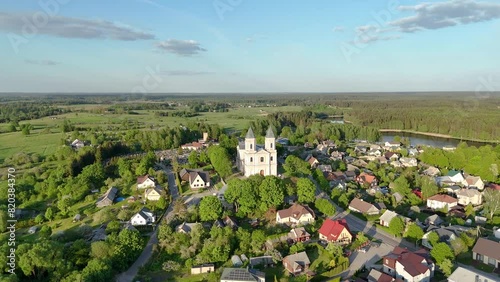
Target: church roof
270, 133
250, 133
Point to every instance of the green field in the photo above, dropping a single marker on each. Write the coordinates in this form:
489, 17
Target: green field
47, 136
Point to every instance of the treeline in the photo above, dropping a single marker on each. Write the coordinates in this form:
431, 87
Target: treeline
18, 111
483, 161
199, 107
302, 127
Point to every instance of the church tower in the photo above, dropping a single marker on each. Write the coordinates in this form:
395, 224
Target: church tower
250, 140
270, 140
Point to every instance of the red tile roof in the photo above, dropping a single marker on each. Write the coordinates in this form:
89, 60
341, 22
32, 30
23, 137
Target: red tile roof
331, 229
365, 177
412, 262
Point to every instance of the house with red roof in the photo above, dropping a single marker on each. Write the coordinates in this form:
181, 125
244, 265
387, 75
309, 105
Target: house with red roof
364, 177
335, 231
409, 266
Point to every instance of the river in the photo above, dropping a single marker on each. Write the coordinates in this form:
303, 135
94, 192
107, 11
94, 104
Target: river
440, 142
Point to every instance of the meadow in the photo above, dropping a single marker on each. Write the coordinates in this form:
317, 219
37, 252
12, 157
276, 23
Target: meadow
46, 135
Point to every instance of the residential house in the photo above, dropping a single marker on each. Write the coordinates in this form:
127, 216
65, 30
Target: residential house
108, 198
337, 156
376, 189
412, 152
368, 179
487, 252
197, 179
382, 160
152, 194
242, 275
360, 149
392, 144
358, 205
396, 164
409, 266
186, 228
441, 201
432, 171
321, 149
457, 177
378, 276
325, 168
313, 162
446, 234
391, 156
335, 231
77, 144
296, 263
472, 196
375, 147
452, 190
298, 235
296, 214
203, 268
467, 274
145, 181
360, 163
194, 146
474, 182
350, 175
408, 162
433, 220
143, 217
386, 217
375, 153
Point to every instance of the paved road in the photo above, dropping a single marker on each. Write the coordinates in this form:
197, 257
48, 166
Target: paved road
129, 275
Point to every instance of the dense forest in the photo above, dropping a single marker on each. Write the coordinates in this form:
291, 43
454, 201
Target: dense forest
18, 111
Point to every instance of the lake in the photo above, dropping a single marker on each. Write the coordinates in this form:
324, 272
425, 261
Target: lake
440, 142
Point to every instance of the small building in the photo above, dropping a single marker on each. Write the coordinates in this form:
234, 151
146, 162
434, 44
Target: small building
203, 268
487, 252
365, 178
236, 260
298, 235
465, 275
266, 261
358, 205
108, 198
32, 230
145, 181
469, 196
408, 162
77, 144
474, 182
386, 218
197, 179
431, 171
296, 263
377, 276
335, 231
194, 146
152, 194
457, 177
433, 220
242, 275
186, 227
296, 214
143, 217
77, 217
409, 266
441, 201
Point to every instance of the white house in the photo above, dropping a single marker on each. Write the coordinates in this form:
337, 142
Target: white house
256, 159
474, 182
487, 252
408, 162
77, 144
409, 266
143, 217
197, 179
472, 196
296, 214
145, 181
457, 177
441, 201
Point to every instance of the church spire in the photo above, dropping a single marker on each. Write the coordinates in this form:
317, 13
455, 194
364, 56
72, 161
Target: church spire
250, 134
270, 133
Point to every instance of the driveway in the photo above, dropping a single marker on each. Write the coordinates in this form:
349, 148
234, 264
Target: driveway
129, 275
368, 259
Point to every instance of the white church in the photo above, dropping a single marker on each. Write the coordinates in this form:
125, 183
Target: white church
257, 159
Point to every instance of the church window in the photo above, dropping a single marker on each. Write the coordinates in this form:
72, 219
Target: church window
271, 145
251, 147
251, 159
271, 158
261, 159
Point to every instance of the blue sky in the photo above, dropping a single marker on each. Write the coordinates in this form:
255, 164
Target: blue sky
149, 46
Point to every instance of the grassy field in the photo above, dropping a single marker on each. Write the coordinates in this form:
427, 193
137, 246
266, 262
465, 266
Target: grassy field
46, 135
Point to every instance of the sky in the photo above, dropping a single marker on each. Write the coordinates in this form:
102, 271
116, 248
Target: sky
223, 46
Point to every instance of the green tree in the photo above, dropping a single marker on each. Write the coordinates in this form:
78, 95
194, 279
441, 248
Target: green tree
440, 252
258, 240
39, 219
49, 214
271, 192
397, 226
100, 250
446, 267
210, 208
12, 127
26, 128
402, 186
433, 238
429, 187
491, 202
414, 232
161, 203
220, 160
458, 246
297, 248
193, 159
325, 207
97, 270
469, 210
45, 231
42, 258
3, 220
296, 167
306, 190
343, 200
113, 226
